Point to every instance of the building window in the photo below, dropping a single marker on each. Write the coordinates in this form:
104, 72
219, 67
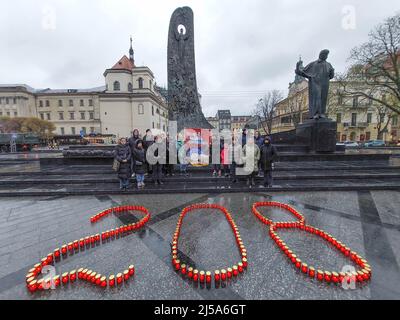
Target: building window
47, 103
15, 114
8, 114
1, 113
82, 103
60, 103
152, 111
91, 115
40, 103
140, 109
62, 131
382, 117
130, 87
355, 102
140, 80
41, 115
48, 116
395, 120
91, 129
61, 115
15, 100
354, 119
72, 116
90, 102
151, 84
83, 131
71, 103
82, 116
339, 118
368, 136
369, 118
153, 125
117, 86
73, 130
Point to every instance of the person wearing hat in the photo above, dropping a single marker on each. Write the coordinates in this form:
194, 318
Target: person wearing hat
268, 156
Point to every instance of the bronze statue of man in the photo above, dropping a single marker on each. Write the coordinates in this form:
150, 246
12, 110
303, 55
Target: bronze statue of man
318, 73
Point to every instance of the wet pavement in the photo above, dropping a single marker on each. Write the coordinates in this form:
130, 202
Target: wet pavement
367, 221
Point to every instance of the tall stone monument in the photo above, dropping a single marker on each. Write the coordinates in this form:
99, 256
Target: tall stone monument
319, 132
183, 98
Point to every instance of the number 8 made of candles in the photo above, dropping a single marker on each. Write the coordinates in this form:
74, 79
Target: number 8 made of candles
360, 276
34, 283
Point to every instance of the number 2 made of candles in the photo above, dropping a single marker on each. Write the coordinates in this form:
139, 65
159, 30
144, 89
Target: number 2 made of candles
34, 283
362, 275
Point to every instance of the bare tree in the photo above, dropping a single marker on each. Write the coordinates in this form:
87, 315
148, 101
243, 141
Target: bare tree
375, 67
266, 107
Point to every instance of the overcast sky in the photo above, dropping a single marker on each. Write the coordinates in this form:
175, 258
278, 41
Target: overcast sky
243, 48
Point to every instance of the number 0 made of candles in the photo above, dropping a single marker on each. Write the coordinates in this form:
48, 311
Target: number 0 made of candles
362, 275
206, 277
33, 282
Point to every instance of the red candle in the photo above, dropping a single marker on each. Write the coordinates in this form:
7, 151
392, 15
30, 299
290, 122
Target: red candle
327, 276
65, 278
177, 265
335, 277
64, 249
70, 247
80, 273
111, 281
93, 277
126, 275
229, 272
223, 274
217, 275
131, 270
240, 267
76, 244
190, 272
56, 281
89, 275
235, 271
196, 275
32, 286
119, 278
72, 275
208, 277
311, 272
244, 261
183, 269
57, 253
320, 275
103, 282
98, 279
304, 267
202, 276
298, 263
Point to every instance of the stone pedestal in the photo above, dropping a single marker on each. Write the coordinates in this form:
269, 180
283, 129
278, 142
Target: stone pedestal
318, 134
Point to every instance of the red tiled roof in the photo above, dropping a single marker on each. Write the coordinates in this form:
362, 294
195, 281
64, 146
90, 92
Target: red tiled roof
124, 64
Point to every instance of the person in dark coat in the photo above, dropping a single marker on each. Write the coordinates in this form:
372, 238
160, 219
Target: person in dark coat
139, 157
169, 167
123, 154
132, 144
268, 155
244, 137
259, 142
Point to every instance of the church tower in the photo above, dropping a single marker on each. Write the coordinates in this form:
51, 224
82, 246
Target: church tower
131, 54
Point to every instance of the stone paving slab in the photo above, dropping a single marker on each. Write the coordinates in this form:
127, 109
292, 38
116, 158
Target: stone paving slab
31, 227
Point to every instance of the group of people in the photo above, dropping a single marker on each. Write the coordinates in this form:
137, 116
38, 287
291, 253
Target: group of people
256, 152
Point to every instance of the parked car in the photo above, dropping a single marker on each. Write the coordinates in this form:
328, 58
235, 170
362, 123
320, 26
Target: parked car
351, 144
374, 143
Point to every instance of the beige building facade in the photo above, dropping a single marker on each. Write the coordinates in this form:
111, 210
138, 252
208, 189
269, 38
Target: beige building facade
129, 100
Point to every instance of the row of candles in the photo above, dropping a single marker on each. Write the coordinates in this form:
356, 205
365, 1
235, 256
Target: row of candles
362, 275
87, 275
35, 284
207, 276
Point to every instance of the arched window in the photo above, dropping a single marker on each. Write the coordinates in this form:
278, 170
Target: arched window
130, 87
117, 86
140, 80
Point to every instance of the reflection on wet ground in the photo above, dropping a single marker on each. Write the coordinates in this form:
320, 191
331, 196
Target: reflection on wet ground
368, 222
